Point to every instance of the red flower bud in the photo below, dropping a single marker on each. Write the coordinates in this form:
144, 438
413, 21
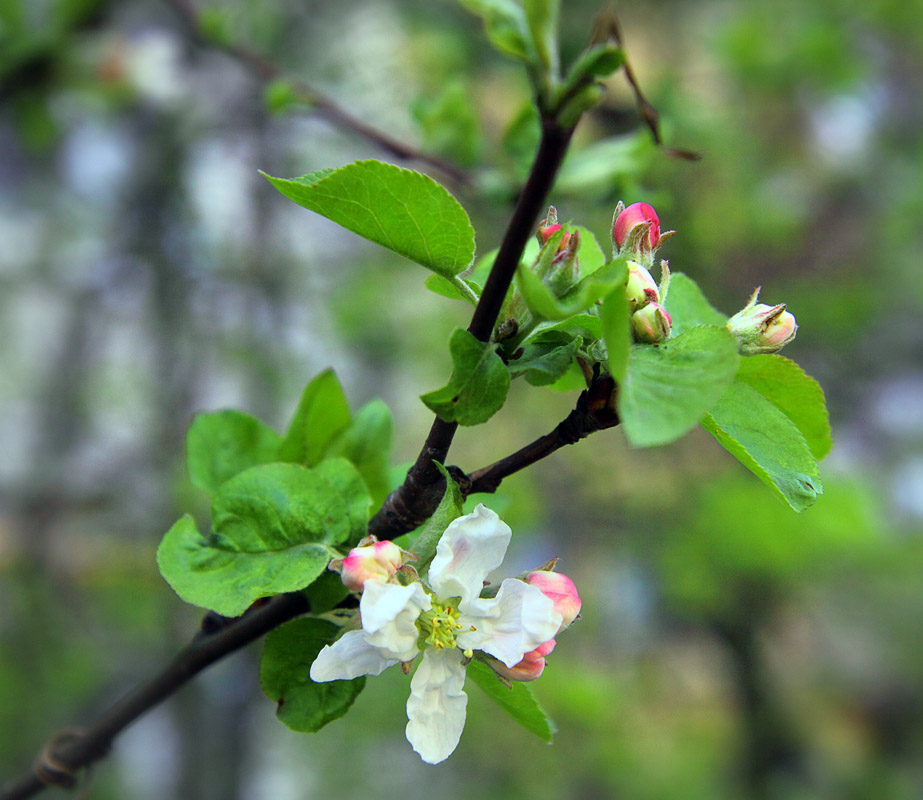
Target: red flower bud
637, 214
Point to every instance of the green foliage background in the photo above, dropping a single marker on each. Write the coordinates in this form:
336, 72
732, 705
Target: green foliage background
729, 647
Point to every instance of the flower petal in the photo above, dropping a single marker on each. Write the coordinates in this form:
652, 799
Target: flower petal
436, 706
517, 620
470, 548
389, 614
349, 657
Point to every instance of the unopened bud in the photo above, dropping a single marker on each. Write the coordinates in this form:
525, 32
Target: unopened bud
529, 668
760, 328
641, 288
379, 561
560, 589
626, 226
652, 324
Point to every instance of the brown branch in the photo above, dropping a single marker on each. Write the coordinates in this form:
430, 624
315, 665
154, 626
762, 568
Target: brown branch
594, 412
414, 501
60, 761
266, 71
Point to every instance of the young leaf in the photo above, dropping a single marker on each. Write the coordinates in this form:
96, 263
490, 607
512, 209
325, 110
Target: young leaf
615, 316
272, 531
580, 297
599, 61
346, 480
322, 413
221, 444
688, 306
590, 255
545, 357
767, 442
402, 210
367, 444
518, 701
479, 383
797, 395
542, 18
449, 508
670, 387
289, 651
505, 25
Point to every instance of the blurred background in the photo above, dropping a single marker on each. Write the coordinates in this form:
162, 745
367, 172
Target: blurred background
728, 647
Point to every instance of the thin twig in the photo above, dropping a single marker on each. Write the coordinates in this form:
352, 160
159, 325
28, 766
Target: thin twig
408, 506
61, 760
319, 103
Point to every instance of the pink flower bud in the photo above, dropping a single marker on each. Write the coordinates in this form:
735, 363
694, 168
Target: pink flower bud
635, 215
759, 328
531, 666
641, 288
379, 562
561, 591
652, 324
545, 233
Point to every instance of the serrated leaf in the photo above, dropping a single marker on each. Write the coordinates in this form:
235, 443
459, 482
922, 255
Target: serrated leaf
479, 383
221, 444
518, 701
346, 480
288, 653
449, 508
797, 395
615, 317
366, 443
670, 387
404, 211
767, 442
584, 294
321, 414
273, 527
545, 357
688, 306
506, 26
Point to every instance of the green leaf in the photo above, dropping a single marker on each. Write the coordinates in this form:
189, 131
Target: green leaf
688, 307
446, 288
449, 123
506, 26
322, 413
599, 61
221, 444
273, 527
449, 508
797, 395
367, 444
615, 316
590, 255
345, 478
479, 383
545, 357
303, 705
670, 387
542, 18
767, 442
518, 701
405, 211
580, 297
326, 592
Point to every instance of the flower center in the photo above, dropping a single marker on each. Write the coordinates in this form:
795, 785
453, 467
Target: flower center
440, 624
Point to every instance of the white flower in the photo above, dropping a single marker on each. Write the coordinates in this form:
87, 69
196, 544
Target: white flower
448, 620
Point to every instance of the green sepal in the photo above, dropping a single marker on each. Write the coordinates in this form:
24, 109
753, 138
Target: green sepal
449, 508
288, 653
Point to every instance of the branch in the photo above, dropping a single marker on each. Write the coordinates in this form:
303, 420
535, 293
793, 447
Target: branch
414, 501
594, 412
266, 71
65, 754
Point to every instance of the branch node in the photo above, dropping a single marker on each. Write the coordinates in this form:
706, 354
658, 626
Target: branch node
49, 768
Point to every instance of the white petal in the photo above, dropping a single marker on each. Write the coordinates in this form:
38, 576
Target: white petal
436, 707
470, 548
508, 626
389, 614
349, 657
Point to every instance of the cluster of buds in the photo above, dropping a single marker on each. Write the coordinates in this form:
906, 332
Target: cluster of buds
560, 589
371, 560
636, 235
759, 328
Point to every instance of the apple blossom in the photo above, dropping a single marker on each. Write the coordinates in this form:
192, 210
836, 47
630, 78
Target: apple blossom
446, 620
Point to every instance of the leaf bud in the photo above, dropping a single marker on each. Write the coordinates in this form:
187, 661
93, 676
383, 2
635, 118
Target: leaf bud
652, 324
760, 328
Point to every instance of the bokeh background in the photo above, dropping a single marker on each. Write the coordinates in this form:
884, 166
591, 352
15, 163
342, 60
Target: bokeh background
729, 648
